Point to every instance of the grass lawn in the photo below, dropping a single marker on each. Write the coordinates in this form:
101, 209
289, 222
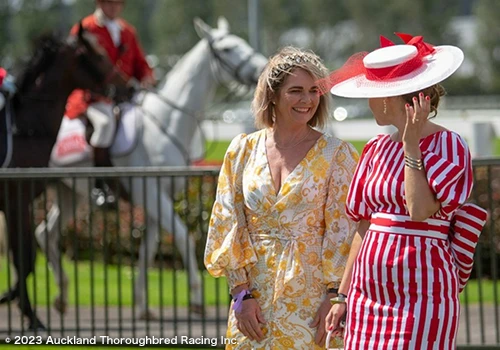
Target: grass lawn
217, 149
108, 293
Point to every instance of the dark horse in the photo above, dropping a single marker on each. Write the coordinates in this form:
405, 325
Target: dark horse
54, 71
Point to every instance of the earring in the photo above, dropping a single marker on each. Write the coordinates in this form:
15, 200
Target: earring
385, 107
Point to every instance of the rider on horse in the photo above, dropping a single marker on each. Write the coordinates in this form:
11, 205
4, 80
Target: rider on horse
119, 40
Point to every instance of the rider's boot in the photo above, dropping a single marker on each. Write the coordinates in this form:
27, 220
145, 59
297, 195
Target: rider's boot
102, 194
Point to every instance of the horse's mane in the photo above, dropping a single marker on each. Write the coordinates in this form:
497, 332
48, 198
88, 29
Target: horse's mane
46, 47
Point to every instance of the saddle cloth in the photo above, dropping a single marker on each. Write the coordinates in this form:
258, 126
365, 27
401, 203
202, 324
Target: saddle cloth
72, 148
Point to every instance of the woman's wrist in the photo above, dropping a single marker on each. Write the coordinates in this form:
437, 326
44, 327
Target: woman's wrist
341, 298
333, 291
412, 151
238, 289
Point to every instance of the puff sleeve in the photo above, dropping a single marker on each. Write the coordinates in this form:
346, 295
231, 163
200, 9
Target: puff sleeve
340, 229
356, 207
448, 167
229, 250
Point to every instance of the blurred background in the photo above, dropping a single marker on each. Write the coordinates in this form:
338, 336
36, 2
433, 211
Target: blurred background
332, 28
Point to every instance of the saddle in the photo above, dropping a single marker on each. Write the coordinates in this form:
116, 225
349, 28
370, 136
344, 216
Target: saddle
72, 147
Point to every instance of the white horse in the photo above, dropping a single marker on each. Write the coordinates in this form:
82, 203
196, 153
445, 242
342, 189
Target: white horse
169, 124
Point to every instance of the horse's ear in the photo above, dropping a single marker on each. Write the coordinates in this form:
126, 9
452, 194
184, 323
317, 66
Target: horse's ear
80, 30
203, 29
223, 24
82, 38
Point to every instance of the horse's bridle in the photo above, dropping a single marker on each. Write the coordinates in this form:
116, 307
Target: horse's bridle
221, 63
235, 71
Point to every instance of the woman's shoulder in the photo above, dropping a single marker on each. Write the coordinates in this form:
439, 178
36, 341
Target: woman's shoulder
245, 141
442, 135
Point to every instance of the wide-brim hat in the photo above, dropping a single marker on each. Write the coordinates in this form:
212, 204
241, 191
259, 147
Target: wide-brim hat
394, 70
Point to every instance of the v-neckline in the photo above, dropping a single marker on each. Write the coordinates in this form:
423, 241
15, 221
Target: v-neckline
277, 193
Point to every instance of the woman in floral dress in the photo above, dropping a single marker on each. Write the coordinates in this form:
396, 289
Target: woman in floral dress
279, 231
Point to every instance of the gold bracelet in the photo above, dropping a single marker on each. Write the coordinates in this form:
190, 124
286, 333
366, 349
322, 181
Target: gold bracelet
413, 160
414, 166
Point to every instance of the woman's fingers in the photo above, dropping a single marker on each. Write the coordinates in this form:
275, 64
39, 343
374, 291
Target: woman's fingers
418, 112
254, 330
249, 319
320, 336
416, 109
410, 114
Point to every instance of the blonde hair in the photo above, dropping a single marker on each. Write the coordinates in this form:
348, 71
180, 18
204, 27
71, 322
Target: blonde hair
271, 80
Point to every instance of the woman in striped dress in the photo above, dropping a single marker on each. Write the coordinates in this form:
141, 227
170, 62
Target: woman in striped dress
401, 279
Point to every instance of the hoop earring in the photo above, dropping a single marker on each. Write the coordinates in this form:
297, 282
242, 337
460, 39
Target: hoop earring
385, 107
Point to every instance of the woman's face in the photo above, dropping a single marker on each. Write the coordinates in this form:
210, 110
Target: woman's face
298, 99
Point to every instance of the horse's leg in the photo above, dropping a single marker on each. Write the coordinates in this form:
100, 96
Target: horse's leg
47, 235
147, 252
23, 253
185, 245
12, 292
149, 245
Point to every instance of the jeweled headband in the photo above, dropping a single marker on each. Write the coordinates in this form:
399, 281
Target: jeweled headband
294, 60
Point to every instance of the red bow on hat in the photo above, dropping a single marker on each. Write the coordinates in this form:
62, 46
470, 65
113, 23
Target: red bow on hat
423, 48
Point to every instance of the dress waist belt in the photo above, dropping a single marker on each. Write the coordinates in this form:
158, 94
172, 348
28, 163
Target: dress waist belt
402, 224
289, 261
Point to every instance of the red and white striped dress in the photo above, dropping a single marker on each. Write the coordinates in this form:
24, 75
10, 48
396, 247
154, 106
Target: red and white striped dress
404, 289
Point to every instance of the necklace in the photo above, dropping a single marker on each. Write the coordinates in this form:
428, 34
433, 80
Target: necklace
295, 144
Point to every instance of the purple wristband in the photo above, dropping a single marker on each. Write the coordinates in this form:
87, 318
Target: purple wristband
238, 300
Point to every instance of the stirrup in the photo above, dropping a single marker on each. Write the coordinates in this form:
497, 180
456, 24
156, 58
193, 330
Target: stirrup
103, 196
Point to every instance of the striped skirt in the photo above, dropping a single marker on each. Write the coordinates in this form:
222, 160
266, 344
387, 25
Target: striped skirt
404, 290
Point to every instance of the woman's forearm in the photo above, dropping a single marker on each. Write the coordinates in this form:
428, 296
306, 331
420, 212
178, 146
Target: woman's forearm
420, 200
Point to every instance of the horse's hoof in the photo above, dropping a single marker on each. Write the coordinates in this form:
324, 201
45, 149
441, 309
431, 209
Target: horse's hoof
197, 309
36, 325
10, 295
60, 305
148, 315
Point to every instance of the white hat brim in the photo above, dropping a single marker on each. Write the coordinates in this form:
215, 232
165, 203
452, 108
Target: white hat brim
436, 68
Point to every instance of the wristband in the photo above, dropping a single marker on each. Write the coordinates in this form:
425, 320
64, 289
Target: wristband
339, 299
239, 298
413, 163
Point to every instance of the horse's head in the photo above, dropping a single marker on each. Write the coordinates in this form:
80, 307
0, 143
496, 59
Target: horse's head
91, 69
235, 59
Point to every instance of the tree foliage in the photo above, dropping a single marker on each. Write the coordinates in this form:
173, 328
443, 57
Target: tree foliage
334, 29
487, 51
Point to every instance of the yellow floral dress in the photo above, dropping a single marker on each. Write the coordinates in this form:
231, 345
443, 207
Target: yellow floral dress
289, 246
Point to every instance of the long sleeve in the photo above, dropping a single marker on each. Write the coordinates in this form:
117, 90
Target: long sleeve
340, 229
449, 171
229, 249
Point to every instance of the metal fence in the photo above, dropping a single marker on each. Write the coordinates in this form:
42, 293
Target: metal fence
103, 294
